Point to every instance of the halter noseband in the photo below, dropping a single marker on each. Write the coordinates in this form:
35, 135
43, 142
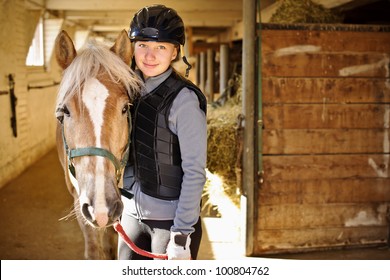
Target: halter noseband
95, 151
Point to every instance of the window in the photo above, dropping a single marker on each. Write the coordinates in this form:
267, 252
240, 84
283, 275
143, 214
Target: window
35, 55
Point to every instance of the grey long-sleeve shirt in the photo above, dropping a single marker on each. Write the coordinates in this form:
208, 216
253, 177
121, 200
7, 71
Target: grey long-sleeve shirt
188, 122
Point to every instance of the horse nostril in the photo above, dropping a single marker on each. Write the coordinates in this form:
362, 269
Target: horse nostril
116, 210
86, 213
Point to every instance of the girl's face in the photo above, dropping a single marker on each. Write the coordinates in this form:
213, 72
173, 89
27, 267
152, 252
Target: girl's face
154, 58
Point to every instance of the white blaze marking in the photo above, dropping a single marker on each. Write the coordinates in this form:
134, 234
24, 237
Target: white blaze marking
94, 98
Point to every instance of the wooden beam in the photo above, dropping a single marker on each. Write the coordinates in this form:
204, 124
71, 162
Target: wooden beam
199, 47
118, 5
222, 15
109, 28
204, 19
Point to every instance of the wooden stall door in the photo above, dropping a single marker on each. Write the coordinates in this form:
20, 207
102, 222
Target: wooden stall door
326, 115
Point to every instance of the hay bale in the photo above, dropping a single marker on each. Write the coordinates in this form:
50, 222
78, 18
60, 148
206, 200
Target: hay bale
223, 146
304, 11
222, 139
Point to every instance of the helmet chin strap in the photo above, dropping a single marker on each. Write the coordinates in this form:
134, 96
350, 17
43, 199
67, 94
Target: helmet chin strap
185, 61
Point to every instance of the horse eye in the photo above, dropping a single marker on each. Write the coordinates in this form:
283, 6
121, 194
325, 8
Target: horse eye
61, 112
66, 111
125, 109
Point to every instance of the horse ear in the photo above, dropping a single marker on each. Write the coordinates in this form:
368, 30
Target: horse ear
122, 47
64, 49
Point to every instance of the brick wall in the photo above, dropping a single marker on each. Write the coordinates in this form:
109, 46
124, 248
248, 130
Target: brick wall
35, 107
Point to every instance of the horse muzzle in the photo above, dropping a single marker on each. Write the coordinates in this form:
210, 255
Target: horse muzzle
101, 217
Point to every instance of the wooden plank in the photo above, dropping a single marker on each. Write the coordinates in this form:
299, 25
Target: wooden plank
273, 241
327, 41
305, 216
318, 167
324, 141
325, 191
325, 64
321, 116
328, 90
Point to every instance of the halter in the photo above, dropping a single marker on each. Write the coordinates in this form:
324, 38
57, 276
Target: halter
95, 151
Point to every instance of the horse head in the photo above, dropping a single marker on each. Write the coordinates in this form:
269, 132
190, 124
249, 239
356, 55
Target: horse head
93, 105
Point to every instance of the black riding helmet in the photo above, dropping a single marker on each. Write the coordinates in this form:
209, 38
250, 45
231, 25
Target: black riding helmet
161, 24
157, 23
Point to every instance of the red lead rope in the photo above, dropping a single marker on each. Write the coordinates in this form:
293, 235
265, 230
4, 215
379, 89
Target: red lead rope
118, 227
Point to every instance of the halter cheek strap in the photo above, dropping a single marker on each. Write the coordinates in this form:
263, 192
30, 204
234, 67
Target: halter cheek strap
95, 151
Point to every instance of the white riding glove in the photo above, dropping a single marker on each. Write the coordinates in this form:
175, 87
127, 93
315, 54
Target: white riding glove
179, 247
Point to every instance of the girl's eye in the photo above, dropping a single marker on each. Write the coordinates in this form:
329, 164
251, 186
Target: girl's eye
161, 47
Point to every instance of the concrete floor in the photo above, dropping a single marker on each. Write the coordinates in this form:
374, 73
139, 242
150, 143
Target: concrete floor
32, 205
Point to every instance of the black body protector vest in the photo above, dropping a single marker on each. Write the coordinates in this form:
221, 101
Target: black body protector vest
156, 157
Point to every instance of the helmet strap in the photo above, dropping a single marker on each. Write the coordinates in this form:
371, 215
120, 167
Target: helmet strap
185, 61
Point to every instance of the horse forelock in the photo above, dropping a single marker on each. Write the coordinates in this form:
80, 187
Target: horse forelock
96, 57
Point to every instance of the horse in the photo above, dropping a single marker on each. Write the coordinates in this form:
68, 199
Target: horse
92, 134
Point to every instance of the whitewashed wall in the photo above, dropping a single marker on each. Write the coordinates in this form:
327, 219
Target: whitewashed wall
35, 107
